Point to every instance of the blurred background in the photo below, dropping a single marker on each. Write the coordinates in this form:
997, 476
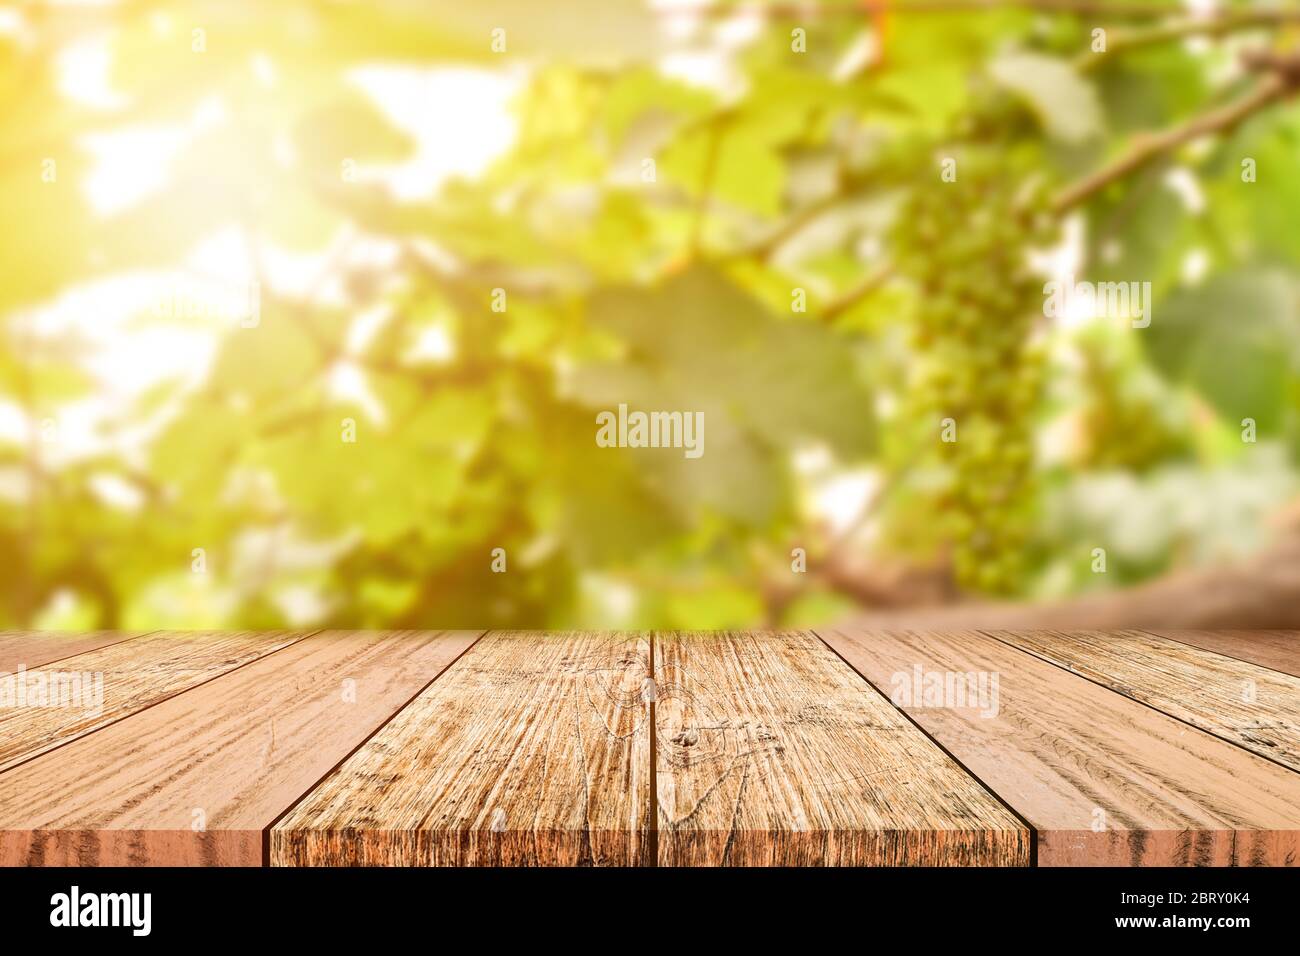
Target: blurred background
308, 308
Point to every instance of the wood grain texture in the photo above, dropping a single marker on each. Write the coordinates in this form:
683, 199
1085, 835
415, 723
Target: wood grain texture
31, 649
1249, 705
1070, 755
533, 749
132, 675
770, 751
1278, 650
239, 750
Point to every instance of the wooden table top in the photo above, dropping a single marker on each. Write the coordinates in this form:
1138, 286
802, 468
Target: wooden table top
834, 747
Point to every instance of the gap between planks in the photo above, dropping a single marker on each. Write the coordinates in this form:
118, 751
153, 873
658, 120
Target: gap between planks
1029, 827
266, 831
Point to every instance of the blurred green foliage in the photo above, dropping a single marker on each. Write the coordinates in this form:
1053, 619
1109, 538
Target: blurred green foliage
651, 236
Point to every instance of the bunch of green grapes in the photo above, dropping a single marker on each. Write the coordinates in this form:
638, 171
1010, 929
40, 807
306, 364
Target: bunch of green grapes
977, 369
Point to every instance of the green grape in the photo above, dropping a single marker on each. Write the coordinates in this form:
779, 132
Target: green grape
964, 245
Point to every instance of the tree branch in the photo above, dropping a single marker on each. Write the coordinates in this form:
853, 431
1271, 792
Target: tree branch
1229, 21
1272, 88
852, 296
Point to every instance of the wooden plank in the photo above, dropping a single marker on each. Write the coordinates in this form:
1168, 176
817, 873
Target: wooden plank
1278, 650
31, 649
533, 749
1249, 705
104, 685
197, 779
770, 751
1104, 780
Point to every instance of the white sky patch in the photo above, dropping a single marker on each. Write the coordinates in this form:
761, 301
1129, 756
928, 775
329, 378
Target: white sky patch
115, 326
210, 112
263, 68
136, 330
366, 325
182, 600
1183, 183
679, 20
1200, 10
460, 119
116, 492
860, 54
303, 275
1220, 72
1066, 258
711, 63
283, 151
126, 350
129, 165
257, 551
811, 460
65, 611
72, 433
302, 604
609, 598
1059, 440
433, 344
709, 69
226, 256
869, 248
230, 257
841, 499
348, 383
126, 347
1078, 313
375, 252
741, 29
83, 68
1194, 266
160, 21
134, 162
1063, 264
14, 426
154, 354
13, 24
